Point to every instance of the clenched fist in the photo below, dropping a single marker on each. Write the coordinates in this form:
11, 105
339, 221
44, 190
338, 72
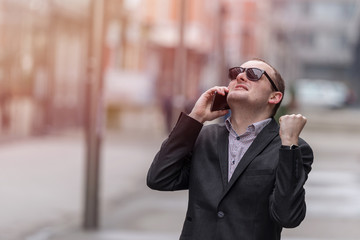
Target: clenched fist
290, 128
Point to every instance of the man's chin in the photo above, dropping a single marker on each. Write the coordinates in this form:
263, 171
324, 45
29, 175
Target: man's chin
236, 96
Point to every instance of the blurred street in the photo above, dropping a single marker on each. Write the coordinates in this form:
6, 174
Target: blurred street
41, 182
84, 82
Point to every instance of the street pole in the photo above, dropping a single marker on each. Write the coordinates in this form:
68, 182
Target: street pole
179, 86
221, 45
49, 103
94, 114
182, 50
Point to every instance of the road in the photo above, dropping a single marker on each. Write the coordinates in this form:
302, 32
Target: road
41, 184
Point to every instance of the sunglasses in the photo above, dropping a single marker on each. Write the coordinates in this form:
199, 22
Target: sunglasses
253, 74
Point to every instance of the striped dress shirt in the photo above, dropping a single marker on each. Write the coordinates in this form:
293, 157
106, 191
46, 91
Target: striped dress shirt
239, 144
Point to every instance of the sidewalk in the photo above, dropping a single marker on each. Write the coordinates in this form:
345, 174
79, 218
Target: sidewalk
42, 179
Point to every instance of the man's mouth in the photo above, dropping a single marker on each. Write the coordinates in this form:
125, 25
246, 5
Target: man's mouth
241, 86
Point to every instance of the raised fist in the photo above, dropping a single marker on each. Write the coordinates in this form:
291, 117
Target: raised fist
290, 128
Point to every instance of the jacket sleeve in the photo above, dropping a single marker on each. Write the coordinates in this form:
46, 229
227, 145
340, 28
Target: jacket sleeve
170, 168
287, 203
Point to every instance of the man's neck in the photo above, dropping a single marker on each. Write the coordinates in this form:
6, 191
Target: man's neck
241, 119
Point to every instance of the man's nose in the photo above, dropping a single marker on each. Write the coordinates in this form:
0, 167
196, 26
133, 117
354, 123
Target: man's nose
241, 77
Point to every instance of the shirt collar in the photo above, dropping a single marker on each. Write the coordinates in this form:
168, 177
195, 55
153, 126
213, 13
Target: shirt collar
254, 127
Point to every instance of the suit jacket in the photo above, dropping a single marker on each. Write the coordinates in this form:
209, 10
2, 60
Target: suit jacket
264, 195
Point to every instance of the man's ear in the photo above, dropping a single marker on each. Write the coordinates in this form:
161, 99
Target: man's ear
275, 97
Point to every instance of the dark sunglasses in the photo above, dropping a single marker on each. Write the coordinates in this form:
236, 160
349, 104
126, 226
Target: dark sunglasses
253, 74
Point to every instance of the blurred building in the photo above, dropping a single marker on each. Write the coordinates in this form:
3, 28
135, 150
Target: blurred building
315, 39
355, 68
161, 52
217, 35
43, 51
245, 30
175, 49
178, 51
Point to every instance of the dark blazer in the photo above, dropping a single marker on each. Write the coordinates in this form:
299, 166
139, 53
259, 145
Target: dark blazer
264, 195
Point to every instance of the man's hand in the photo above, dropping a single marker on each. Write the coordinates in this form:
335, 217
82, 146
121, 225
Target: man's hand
201, 111
290, 128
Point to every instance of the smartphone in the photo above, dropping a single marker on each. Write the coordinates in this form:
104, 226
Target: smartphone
219, 102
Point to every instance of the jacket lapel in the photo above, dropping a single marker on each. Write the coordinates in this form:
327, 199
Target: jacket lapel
222, 150
260, 142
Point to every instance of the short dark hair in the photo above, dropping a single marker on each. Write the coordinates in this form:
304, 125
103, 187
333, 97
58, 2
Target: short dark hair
279, 82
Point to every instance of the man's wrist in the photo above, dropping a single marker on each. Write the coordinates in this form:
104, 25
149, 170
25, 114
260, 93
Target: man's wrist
287, 141
196, 117
289, 147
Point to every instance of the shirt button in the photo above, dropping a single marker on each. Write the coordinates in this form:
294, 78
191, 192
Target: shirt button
237, 138
221, 214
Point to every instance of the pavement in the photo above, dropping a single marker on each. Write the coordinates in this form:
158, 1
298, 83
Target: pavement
41, 184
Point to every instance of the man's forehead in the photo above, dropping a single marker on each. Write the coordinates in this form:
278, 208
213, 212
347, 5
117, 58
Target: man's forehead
259, 64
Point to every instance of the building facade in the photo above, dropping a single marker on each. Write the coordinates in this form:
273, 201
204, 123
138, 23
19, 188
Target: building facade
317, 38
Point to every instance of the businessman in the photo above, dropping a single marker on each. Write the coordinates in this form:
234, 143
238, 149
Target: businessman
245, 176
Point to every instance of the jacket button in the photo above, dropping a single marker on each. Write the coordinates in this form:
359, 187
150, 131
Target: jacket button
221, 214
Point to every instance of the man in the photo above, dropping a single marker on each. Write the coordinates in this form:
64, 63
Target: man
245, 176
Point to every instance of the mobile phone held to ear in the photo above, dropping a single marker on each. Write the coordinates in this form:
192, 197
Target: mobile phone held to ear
219, 102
